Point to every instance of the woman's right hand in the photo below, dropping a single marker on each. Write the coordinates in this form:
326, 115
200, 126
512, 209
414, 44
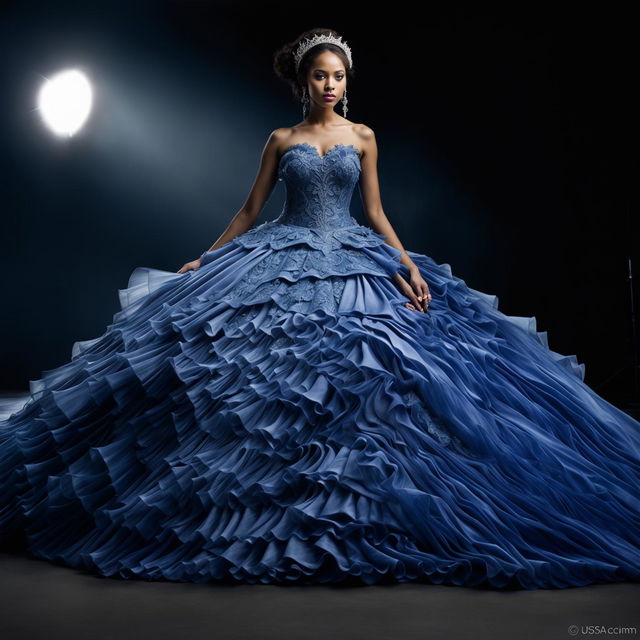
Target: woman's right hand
190, 266
414, 303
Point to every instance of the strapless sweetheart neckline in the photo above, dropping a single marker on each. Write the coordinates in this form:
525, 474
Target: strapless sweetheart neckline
307, 145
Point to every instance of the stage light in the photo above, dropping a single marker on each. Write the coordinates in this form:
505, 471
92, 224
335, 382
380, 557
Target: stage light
64, 102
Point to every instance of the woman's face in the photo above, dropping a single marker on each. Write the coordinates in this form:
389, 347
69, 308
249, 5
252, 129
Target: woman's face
326, 75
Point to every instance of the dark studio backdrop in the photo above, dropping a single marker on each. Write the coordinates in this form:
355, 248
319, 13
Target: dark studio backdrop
501, 131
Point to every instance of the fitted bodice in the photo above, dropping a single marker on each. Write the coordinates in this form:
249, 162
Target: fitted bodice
318, 188
315, 235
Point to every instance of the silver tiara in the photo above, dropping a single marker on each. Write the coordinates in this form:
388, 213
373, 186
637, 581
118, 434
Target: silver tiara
305, 45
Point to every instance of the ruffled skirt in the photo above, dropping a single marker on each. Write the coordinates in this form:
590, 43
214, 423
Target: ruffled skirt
279, 416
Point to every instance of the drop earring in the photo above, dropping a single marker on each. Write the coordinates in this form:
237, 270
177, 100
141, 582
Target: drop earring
305, 102
344, 104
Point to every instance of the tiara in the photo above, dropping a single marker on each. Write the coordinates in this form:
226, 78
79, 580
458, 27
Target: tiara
307, 44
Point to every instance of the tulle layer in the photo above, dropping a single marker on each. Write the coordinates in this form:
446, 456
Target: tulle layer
315, 430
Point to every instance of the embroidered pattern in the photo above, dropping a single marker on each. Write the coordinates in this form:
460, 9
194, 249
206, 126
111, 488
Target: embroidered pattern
319, 188
432, 424
315, 241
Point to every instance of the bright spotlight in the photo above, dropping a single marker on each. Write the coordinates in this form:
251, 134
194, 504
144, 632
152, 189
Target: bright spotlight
65, 102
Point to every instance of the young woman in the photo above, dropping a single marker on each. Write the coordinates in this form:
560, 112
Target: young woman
310, 402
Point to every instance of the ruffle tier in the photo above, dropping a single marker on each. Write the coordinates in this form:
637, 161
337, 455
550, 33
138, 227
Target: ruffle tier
279, 416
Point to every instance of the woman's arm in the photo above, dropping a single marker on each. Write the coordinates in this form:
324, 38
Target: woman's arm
262, 187
371, 199
250, 210
240, 223
417, 290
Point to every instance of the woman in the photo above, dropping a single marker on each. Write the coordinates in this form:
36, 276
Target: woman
277, 411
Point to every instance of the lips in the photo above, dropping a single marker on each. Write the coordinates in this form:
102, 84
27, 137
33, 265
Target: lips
328, 95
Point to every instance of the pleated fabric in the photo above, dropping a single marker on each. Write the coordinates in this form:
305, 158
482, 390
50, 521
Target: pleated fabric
279, 416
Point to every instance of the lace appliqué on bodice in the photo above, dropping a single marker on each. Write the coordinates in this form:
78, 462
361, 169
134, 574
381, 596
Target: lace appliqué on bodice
319, 188
315, 242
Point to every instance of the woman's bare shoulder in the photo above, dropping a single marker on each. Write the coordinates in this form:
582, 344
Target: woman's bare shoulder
363, 131
366, 138
279, 138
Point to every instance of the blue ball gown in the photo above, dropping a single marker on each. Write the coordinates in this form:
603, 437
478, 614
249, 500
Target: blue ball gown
279, 416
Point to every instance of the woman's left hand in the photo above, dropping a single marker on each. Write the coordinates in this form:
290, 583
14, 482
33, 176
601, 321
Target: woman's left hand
421, 289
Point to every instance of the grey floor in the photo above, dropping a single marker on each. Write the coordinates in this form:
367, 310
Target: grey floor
42, 600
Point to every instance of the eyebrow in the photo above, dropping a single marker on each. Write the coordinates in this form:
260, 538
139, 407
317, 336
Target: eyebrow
337, 71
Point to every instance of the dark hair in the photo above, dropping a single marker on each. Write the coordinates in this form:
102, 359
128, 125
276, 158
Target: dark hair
284, 63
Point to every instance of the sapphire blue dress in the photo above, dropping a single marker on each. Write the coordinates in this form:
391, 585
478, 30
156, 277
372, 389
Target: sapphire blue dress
279, 416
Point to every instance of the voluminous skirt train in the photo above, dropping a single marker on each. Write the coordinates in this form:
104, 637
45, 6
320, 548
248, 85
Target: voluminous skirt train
279, 416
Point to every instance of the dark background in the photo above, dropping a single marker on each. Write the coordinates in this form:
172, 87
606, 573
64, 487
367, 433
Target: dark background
502, 135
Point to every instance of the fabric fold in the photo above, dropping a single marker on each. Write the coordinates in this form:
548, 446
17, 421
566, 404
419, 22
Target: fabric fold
316, 430
280, 416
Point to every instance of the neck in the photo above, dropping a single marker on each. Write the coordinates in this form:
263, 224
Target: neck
321, 117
